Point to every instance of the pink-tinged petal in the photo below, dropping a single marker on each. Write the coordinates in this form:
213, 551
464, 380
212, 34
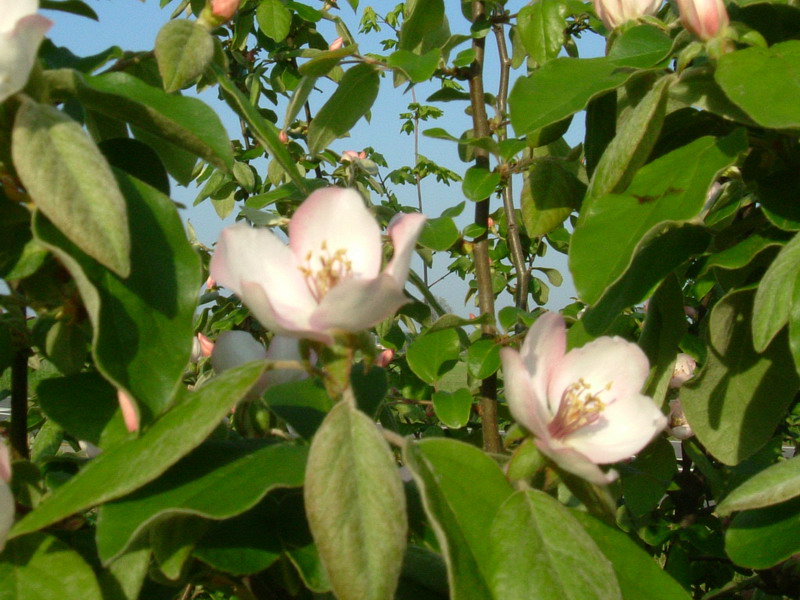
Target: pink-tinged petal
384, 358
235, 348
576, 463
246, 258
7, 508
542, 354
284, 348
626, 426
18, 50
356, 304
404, 233
526, 407
5, 462
130, 415
606, 361
338, 218
206, 345
283, 322
13, 11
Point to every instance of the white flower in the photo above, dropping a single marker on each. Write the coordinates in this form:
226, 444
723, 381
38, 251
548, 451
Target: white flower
584, 406
614, 13
21, 32
328, 279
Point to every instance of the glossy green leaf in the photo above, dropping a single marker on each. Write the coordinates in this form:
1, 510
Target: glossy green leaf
439, 234
775, 484
453, 409
479, 183
139, 327
562, 87
672, 187
274, 19
432, 354
41, 567
645, 480
698, 88
183, 51
740, 254
370, 385
75, 7
417, 67
70, 181
109, 476
218, 480
321, 64
426, 17
549, 194
639, 576
352, 100
356, 506
302, 404
461, 512
537, 545
123, 578
541, 27
773, 303
172, 540
764, 83
642, 47
762, 538
741, 395
483, 358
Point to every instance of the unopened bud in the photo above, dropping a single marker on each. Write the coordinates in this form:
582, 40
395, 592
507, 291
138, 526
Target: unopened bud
5, 462
614, 13
678, 426
384, 358
336, 44
211, 282
218, 12
706, 19
129, 414
349, 155
490, 222
283, 137
683, 370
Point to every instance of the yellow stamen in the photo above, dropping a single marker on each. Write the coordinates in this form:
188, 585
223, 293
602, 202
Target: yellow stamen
333, 267
578, 408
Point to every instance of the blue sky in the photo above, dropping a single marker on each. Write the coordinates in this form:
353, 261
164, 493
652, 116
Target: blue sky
133, 25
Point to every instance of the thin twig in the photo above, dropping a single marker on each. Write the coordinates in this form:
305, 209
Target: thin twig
19, 403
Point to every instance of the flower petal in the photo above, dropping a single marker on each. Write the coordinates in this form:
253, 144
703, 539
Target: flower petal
282, 322
284, 348
13, 11
404, 232
356, 304
247, 260
604, 361
5, 462
234, 348
337, 217
626, 426
18, 50
6, 512
526, 407
577, 464
542, 353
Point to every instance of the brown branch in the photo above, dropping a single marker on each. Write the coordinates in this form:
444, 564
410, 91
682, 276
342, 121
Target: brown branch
19, 404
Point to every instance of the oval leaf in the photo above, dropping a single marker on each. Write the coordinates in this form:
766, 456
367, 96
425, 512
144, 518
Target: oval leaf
774, 484
183, 50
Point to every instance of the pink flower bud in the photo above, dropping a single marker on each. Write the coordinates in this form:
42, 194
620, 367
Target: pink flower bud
224, 9
336, 44
349, 155
614, 13
706, 19
206, 345
283, 137
5, 462
129, 413
210, 283
683, 370
490, 222
384, 358
362, 155
472, 316
691, 312
678, 426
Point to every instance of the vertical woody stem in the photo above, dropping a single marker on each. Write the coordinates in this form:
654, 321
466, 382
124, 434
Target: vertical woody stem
480, 124
19, 403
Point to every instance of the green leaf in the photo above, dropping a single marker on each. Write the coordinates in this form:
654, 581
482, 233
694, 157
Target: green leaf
549, 194
483, 358
775, 484
479, 183
741, 254
75, 7
186, 122
71, 182
764, 82
453, 409
433, 354
183, 50
773, 303
672, 187
741, 395
356, 506
173, 540
538, 545
639, 576
370, 385
321, 63
142, 324
641, 47
417, 68
274, 19
645, 480
762, 538
218, 480
352, 100
426, 17
123, 578
630, 147
302, 404
460, 511
109, 476
439, 234
541, 27
562, 87
41, 567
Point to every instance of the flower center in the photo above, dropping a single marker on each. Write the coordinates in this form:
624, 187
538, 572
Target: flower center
326, 271
578, 408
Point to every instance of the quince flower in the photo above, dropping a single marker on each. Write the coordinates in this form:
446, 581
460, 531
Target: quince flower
6, 498
704, 18
614, 13
328, 279
584, 406
683, 370
678, 427
21, 32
